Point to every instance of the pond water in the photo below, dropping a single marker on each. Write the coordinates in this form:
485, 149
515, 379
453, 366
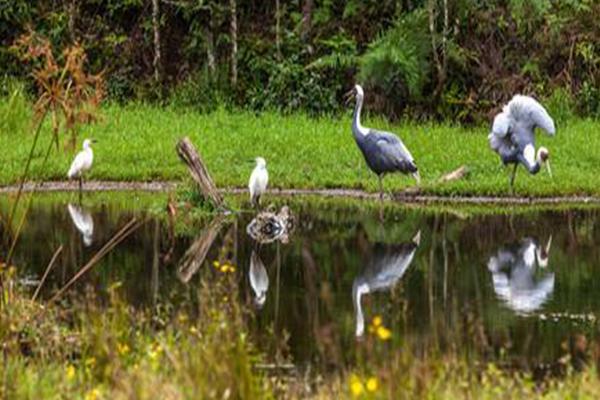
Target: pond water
522, 289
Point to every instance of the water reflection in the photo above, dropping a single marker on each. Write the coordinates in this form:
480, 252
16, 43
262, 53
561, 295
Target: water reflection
195, 255
83, 221
384, 270
448, 301
259, 279
515, 275
269, 226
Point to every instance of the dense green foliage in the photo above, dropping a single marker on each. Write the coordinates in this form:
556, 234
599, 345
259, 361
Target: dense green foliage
452, 59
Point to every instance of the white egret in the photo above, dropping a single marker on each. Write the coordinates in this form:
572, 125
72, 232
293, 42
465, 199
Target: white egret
258, 181
82, 163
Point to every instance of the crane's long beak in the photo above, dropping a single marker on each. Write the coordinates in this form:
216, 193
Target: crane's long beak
417, 177
548, 244
548, 168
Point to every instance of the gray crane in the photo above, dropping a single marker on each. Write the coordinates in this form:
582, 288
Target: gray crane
513, 138
384, 152
515, 279
384, 270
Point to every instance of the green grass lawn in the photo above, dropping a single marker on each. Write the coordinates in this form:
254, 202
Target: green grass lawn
137, 142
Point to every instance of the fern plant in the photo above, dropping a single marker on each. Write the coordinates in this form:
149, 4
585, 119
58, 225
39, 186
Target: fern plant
397, 63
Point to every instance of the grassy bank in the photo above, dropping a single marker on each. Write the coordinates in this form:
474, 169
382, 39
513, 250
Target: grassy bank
136, 142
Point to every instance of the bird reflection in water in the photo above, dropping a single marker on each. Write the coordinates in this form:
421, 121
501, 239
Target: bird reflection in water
259, 279
266, 227
82, 219
387, 266
514, 277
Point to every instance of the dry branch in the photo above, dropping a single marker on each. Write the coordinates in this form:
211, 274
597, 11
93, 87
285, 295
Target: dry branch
190, 156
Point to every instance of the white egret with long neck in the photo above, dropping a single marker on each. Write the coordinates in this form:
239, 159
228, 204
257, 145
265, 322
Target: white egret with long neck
82, 163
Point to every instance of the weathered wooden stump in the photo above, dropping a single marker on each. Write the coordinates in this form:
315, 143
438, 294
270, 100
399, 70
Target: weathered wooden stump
190, 156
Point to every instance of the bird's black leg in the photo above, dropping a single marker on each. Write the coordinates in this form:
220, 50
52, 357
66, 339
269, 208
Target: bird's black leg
380, 187
512, 179
80, 188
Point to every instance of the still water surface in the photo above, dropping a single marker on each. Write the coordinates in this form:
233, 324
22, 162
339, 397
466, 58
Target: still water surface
520, 289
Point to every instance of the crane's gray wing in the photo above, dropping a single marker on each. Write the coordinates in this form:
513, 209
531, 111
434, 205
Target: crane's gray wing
526, 110
392, 150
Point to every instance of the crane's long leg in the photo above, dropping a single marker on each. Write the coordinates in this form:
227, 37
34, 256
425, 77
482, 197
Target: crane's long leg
80, 187
380, 187
512, 179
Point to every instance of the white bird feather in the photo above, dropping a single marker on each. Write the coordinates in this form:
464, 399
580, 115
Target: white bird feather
82, 162
259, 179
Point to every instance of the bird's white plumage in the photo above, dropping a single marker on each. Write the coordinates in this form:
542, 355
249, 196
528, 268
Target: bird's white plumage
529, 154
515, 276
83, 221
360, 95
527, 110
259, 179
384, 271
501, 124
82, 162
259, 279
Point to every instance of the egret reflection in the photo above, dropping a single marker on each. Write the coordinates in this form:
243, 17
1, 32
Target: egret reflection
259, 279
387, 266
83, 221
516, 278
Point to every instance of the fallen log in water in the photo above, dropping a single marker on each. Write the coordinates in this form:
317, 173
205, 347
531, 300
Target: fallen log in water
190, 156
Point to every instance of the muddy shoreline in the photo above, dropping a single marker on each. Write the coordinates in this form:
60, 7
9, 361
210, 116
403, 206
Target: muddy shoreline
405, 197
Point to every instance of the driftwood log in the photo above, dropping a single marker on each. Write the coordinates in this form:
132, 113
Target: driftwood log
190, 156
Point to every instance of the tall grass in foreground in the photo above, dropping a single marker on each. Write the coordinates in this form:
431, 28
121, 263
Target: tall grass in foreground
101, 348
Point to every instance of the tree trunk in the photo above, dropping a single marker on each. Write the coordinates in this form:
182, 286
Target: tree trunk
157, 62
210, 43
278, 28
306, 19
234, 44
188, 154
72, 13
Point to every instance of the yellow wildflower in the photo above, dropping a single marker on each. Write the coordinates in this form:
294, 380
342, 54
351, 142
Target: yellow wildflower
356, 386
155, 351
93, 394
70, 372
384, 333
216, 264
122, 348
372, 384
377, 321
